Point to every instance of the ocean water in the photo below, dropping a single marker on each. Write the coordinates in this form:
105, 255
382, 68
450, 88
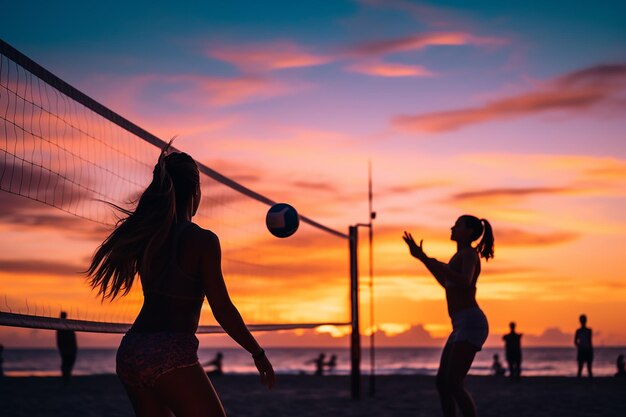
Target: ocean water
424, 361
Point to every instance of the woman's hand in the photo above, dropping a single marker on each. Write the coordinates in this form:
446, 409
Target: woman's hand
416, 250
265, 370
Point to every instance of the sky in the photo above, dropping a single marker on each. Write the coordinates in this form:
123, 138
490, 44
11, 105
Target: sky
512, 112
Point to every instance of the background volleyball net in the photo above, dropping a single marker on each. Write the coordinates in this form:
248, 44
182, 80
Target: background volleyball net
62, 154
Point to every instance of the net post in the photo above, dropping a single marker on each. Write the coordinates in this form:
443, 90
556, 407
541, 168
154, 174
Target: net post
355, 339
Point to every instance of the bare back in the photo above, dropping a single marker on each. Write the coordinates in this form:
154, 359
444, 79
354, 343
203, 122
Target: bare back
173, 292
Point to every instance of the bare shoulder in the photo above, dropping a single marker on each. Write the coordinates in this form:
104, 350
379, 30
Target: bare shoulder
202, 238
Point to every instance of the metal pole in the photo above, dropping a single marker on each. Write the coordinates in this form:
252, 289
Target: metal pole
372, 216
355, 339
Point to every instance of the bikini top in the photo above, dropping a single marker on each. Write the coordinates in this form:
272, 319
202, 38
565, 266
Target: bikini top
172, 281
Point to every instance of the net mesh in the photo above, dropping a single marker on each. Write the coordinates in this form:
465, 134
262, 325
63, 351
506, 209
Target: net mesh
62, 154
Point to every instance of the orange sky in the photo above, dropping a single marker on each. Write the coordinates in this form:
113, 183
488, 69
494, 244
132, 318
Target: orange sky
479, 111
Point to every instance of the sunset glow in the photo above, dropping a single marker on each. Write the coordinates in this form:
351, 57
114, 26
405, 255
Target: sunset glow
493, 112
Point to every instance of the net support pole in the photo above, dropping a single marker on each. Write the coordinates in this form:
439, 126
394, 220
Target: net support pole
355, 339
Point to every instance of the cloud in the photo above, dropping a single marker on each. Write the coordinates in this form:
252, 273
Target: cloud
518, 237
549, 337
411, 187
498, 195
36, 266
416, 335
314, 186
309, 259
221, 91
382, 69
394, 232
419, 41
32, 196
190, 127
504, 236
552, 336
234, 169
503, 271
585, 176
576, 91
261, 58
255, 58
53, 185
182, 93
611, 171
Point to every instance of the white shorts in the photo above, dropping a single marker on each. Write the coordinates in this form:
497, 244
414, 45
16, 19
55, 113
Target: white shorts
471, 326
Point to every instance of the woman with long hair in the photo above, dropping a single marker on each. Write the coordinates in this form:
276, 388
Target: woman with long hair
179, 264
469, 324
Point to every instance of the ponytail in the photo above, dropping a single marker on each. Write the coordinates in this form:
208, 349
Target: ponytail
480, 227
132, 247
485, 247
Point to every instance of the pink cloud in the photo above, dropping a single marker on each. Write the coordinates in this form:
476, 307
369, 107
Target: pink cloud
266, 57
224, 92
37, 266
579, 90
421, 41
255, 58
194, 90
517, 237
381, 69
494, 195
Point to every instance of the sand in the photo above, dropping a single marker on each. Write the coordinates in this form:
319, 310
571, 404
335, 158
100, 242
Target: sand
327, 396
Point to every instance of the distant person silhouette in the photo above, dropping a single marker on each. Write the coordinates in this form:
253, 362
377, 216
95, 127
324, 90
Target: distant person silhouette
216, 363
513, 351
1, 360
68, 348
496, 367
469, 324
621, 367
584, 345
331, 364
319, 364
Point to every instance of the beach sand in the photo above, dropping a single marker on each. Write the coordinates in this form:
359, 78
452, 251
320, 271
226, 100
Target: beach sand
328, 396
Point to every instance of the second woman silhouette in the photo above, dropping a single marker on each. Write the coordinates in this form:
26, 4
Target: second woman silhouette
469, 325
179, 264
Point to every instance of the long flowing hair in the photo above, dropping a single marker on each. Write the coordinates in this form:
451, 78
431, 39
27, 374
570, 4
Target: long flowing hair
485, 247
141, 233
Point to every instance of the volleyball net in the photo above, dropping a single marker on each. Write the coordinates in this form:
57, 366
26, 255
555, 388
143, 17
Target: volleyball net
62, 154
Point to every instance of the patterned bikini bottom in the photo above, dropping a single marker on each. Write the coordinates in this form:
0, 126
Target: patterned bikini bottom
143, 357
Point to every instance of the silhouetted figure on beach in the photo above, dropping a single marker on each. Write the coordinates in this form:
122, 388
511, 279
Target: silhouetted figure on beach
216, 363
584, 346
179, 264
331, 364
621, 367
469, 325
319, 364
513, 351
68, 348
496, 367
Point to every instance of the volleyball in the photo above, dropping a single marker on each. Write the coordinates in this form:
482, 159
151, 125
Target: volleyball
282, 220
